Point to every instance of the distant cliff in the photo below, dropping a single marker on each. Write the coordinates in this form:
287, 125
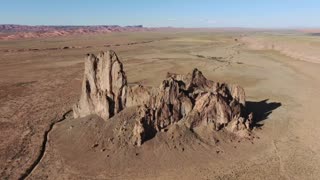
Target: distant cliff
11, 31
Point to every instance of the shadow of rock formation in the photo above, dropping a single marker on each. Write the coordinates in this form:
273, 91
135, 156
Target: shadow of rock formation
261, 110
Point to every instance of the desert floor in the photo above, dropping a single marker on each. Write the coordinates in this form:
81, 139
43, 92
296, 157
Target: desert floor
40, 80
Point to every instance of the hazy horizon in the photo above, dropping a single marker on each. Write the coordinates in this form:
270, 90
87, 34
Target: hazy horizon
217, 27
270, 14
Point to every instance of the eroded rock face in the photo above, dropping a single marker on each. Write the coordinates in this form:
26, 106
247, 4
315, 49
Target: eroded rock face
103, 87
189, 99
137, 95
195, 101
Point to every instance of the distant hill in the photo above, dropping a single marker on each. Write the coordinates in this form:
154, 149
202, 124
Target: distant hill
12, 31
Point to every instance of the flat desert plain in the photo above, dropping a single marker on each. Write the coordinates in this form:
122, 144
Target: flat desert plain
40, 81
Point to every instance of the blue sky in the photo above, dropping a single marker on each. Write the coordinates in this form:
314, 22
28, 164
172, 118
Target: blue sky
161, 13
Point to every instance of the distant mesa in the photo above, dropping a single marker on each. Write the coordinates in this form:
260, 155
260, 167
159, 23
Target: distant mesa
315, 34
12, 31
190, 101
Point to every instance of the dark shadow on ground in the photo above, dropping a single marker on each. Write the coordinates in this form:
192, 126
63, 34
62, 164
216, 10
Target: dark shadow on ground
261, 110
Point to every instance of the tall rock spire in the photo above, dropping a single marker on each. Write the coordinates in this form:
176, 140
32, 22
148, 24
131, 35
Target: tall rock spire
103, 88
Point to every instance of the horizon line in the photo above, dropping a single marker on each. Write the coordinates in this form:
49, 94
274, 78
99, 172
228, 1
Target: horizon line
142, 26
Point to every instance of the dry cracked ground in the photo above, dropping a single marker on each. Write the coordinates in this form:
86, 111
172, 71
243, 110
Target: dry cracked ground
40, 81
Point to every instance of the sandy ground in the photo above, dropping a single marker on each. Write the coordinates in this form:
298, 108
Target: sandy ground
37, 88
296, 45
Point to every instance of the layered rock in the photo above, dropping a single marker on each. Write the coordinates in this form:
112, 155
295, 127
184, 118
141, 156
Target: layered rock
191, 100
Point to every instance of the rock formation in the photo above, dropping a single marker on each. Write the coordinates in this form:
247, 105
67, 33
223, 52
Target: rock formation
195, 101
103, 87
191, 100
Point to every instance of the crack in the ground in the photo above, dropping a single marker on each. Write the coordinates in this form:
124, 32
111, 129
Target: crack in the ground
43, 147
